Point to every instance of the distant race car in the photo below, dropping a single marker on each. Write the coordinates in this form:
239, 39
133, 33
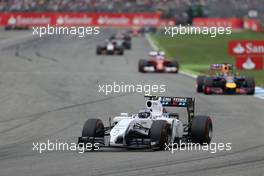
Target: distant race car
153, 127
137, 32
110, 48
225, 82
125, 38
158, 63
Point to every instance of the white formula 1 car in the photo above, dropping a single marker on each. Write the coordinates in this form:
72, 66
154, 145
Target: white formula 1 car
114, 47
151, 128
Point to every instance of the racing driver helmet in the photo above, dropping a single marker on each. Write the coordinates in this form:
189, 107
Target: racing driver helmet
225, 69
144, 114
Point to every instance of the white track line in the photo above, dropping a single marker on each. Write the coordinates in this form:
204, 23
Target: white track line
259, 92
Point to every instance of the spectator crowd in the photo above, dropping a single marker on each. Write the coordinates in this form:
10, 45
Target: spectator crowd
218, 8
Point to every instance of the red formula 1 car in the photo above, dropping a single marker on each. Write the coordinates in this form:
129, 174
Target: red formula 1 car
225, 81
158, 63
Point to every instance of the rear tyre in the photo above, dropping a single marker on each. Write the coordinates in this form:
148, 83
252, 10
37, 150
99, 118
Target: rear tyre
200, 83
93, 128
160, 132
250, 82
202, 130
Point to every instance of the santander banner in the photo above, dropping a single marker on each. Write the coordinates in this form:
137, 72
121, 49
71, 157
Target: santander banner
249, 62
81, 19
235, 23
249, 53
26, 19
246, 47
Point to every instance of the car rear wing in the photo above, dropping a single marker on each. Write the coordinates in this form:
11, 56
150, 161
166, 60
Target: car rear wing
183, 102
155, 53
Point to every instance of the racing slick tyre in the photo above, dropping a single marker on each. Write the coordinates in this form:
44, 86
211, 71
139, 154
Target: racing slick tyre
128, 46
121, 52
141, 64
200, 83
250, 82
175, 64
201, 129
98, 51
93, 128
160, 132
208, 83
127, 38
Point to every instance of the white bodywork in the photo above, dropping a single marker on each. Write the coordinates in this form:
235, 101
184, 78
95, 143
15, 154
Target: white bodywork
155, 53
166, 69
125, 123
110, 47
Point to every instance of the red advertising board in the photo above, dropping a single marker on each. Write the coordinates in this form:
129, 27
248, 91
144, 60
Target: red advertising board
249, 62
25, 19
72, 19
234, 23
80, 19
243, 47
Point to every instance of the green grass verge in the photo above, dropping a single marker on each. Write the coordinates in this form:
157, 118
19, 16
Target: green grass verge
195, 53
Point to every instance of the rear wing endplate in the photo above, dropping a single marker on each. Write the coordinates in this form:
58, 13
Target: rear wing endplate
184, 102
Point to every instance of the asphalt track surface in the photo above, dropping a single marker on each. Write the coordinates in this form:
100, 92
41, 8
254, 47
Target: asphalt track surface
49, 87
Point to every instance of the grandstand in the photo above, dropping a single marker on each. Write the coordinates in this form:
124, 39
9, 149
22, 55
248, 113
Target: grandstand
169, 8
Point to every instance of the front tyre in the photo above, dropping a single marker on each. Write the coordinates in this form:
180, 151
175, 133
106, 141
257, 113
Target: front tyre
250, 82
141, 64
120, 51
200, 83
175, 64
98, 51
208, 84
160, 133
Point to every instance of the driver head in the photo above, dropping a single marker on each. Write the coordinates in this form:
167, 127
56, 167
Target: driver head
144, 113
